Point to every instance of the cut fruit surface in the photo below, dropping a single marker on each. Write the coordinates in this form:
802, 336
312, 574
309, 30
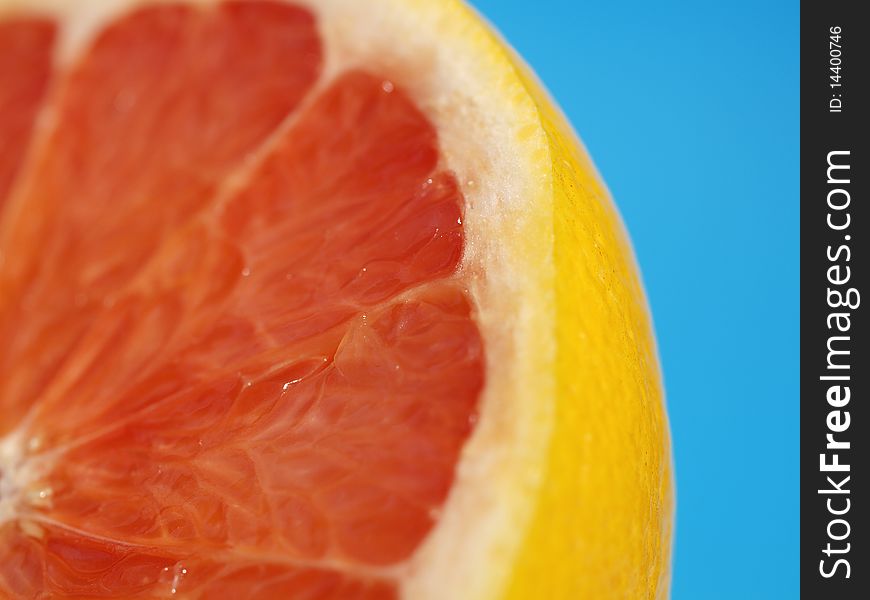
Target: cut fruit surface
282, 315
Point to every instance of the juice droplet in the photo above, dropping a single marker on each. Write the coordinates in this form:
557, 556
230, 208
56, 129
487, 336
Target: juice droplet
40, 497
172, 577
34, 443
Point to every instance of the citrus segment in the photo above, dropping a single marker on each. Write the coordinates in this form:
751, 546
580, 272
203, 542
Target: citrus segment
25, 67
148, 123
48, 559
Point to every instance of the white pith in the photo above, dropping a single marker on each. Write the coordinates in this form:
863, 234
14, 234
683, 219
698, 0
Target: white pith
490, 136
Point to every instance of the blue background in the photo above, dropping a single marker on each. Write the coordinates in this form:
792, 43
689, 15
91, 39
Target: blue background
690, 110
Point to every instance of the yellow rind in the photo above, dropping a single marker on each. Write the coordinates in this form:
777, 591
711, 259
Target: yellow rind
602, 522
602, 526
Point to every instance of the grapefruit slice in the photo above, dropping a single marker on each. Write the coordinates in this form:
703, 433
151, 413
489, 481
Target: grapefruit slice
312, 300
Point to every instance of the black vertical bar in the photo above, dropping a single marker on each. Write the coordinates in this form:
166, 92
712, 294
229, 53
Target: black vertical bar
835, 223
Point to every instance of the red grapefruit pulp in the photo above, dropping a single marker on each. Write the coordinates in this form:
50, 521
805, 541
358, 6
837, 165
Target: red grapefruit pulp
238, 359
